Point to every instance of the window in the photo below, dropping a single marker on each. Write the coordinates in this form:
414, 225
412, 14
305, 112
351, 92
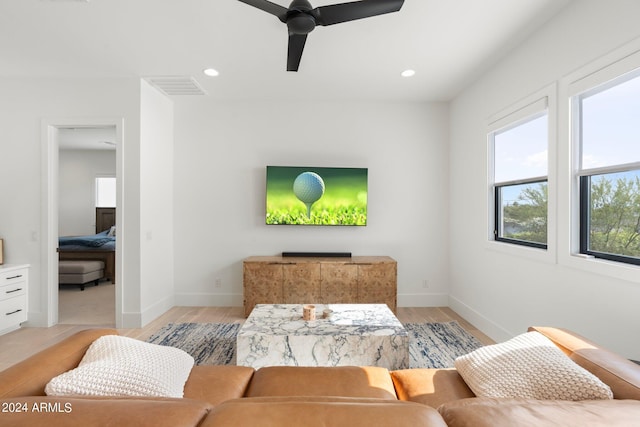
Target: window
520, 191
608, 134
105, 192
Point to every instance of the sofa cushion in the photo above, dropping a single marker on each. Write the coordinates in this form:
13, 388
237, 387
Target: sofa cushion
50, 411
483, 412
528, 366
321, 412
431, 387
217, 383
347, 381
29, 377
622, 375
121, 366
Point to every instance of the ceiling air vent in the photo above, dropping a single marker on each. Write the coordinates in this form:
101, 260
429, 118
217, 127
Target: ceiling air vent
176, 85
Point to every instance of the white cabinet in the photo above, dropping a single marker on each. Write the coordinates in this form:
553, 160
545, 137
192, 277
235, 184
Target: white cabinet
14, 286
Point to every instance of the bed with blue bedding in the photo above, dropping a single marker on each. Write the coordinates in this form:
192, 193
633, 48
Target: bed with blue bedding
100, 247
100, 241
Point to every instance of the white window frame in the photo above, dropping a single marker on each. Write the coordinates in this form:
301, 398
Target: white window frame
95, 190
525, 109
601, 71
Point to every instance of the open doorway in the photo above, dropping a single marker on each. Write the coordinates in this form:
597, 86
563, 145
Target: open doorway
55, 200
87, 229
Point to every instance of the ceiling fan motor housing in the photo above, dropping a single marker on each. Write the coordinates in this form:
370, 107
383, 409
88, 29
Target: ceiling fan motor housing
299, 18
301, 24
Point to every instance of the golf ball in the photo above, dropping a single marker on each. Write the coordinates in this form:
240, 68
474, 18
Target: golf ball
308, 187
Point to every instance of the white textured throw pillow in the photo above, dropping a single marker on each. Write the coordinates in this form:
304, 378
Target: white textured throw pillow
120, 366
528, 366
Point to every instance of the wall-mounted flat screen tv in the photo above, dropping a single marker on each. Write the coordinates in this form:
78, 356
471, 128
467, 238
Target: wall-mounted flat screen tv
316, 195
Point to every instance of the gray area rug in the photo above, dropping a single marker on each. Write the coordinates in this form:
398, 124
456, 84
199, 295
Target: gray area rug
431, 345
436, 345
207, 343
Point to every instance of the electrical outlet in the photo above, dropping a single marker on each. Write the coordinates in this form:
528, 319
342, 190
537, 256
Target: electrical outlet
218, 283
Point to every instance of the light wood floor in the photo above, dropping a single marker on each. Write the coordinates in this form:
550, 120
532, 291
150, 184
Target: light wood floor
22, 343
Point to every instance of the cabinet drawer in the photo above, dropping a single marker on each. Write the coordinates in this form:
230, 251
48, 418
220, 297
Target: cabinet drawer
13, 290
13, 276
13, 311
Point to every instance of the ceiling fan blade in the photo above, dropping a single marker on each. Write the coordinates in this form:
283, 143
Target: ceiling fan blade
267, 6
296, 46
343, 12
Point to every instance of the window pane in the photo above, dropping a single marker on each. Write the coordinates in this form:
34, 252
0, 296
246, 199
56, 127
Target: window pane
614, 217
611, 126
521, 151
523, 212
106, 192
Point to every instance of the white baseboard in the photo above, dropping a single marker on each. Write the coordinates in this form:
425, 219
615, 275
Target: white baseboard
236, 300
156, 310
36, 320
423, 300
149, 314
131, 320
487, 326
209, 300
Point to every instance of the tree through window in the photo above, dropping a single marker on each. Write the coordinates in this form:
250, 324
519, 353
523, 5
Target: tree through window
607, 120
520, 181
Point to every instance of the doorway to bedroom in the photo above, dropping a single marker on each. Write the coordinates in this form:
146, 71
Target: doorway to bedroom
87, 232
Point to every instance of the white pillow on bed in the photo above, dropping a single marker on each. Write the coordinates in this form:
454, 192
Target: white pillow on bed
112, 231
120, 366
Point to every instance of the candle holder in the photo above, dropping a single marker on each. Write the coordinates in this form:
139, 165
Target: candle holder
309, 312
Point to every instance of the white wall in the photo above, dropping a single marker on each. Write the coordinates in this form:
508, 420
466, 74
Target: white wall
504, 293
77, 173
222, 148
24, 103
427, 200
156, 203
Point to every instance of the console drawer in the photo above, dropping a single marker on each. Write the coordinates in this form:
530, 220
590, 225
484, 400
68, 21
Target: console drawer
13, 290
13, 311
13, 283
14, 296
13, 276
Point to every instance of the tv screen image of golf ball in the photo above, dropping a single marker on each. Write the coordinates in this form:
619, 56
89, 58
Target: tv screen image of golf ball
299, 195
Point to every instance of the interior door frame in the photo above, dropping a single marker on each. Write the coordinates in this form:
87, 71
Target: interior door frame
50, 192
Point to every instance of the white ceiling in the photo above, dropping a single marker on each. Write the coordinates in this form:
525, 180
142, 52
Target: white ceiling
447, 42
87, 138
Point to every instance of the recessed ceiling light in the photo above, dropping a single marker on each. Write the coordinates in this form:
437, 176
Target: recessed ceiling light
210, 72
408, 73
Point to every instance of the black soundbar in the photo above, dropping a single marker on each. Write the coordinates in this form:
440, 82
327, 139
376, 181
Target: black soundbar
317, 254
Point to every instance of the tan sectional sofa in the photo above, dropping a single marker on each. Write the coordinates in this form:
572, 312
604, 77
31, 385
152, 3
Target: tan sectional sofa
315, 397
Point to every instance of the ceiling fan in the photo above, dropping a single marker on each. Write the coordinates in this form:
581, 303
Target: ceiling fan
301, 18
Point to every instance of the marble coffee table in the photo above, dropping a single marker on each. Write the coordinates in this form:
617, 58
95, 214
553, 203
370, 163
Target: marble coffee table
355, 334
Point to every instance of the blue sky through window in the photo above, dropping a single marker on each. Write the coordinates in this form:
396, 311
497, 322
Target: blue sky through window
521, 151
611, 126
